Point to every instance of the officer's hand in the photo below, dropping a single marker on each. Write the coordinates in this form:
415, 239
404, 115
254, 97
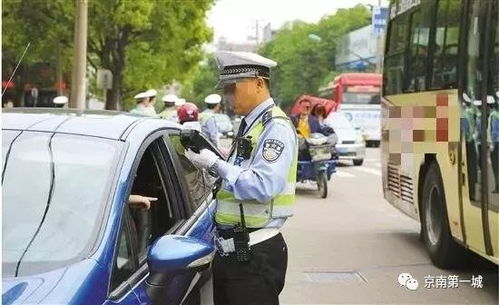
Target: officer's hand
205, 159
137, 201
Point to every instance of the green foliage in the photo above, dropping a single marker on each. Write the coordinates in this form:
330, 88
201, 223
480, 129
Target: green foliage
305, 64
146, 43
202, 81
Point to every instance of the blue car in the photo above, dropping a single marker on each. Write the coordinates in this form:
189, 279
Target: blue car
70, 235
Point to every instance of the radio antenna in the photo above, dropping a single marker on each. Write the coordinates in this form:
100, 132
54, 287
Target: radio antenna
17, 66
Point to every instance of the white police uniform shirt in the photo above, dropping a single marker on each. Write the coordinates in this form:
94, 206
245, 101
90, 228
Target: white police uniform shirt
210, 128
263, 179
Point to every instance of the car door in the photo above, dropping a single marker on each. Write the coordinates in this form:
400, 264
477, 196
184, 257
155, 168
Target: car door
140, 227
189, 193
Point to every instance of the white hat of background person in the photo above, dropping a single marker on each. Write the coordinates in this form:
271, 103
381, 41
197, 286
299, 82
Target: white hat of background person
141, 95
60, 100
179, 102
235, 66
169, 98
151, 93
213, 99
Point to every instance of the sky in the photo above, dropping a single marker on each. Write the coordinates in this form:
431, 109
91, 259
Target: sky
236, 19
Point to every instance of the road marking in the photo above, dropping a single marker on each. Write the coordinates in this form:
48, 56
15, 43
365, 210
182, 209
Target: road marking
368, 170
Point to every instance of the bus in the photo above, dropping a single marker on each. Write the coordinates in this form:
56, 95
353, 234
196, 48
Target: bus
358, 96
440, 151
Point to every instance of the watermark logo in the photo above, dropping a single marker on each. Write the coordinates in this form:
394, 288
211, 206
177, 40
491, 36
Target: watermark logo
406, 280
451, 281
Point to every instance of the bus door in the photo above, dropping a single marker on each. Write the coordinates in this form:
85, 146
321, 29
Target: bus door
479, 155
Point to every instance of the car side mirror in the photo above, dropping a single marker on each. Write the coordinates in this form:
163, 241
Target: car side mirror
172, 256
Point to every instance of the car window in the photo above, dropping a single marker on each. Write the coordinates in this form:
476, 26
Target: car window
150, 181
124, 265
199, 182
56, 221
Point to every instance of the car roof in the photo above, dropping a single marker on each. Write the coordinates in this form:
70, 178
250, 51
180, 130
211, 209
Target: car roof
102, 123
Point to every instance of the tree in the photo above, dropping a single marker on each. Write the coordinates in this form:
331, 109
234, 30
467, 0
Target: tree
46, 25
145, 43
202, 81
303, 63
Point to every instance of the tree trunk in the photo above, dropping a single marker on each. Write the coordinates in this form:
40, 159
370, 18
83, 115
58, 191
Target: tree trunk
115, 50
113, 96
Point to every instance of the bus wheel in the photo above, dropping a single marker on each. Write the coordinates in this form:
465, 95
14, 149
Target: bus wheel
444, 251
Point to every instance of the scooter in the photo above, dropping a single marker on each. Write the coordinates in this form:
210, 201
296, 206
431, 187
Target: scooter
322, 163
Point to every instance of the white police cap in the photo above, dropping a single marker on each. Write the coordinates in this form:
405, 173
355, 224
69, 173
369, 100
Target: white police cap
234, 66
213, 99
141, 95
151, 93
169, 98
60, 100
179, 102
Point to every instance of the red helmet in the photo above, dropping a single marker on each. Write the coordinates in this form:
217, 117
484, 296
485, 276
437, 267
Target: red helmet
188, 112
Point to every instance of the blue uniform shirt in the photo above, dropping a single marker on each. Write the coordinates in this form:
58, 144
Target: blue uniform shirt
209, 127
262, 180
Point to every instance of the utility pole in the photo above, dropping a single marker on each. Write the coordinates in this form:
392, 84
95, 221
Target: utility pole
78, 84
59, 70
256, 29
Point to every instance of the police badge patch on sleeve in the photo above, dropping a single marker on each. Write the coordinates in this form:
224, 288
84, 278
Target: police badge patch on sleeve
272, 149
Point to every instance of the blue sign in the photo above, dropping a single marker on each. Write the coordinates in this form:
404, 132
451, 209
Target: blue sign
379, 17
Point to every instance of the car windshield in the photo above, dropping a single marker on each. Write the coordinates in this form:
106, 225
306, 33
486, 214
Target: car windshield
55, 190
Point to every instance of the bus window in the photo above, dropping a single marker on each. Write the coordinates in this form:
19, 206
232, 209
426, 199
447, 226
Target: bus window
420, 32
493, 119
394, 62
446, 45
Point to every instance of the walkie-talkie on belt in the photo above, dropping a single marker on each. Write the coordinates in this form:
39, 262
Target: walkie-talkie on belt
241, 239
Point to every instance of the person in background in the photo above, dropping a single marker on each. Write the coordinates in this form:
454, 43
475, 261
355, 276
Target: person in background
170, 111
319, 111
306, 123
60, 101
208, 118
152, 97
179, 102
493, 139
144, 106
188, 115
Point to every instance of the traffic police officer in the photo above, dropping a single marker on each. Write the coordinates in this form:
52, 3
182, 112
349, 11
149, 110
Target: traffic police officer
144, 105
208, 119
170, 111
258, 182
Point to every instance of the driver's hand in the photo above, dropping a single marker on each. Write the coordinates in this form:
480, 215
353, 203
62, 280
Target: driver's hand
137, 201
